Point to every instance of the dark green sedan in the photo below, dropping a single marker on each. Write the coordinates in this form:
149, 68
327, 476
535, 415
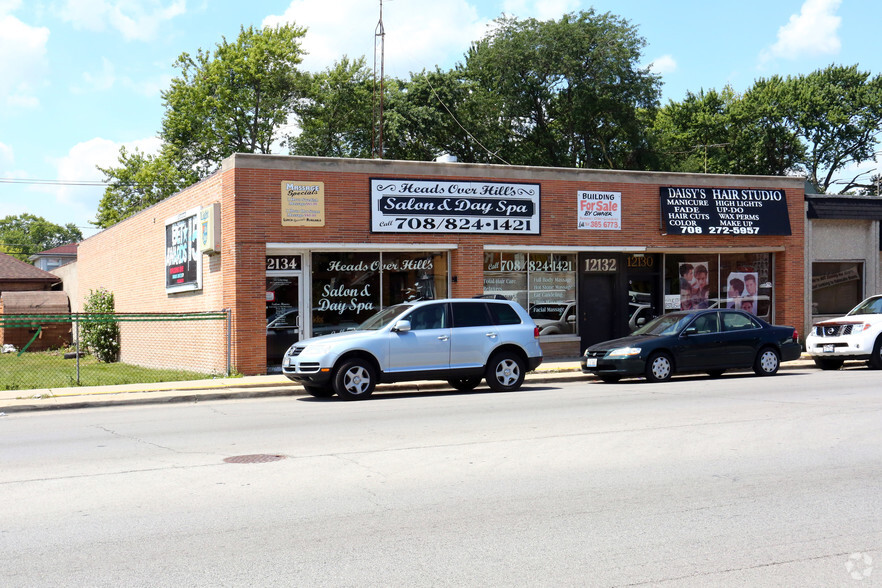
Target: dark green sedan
709, 341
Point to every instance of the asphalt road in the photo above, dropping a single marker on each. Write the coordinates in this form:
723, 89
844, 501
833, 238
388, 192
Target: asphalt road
740, 481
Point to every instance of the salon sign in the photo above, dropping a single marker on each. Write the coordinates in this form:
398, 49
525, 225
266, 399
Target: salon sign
442, 206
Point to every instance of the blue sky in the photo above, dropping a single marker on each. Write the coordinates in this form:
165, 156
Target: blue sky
81, 78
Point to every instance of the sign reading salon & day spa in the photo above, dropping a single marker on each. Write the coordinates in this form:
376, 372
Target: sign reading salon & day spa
443, 206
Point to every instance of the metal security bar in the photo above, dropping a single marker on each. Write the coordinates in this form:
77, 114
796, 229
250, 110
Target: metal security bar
48, 350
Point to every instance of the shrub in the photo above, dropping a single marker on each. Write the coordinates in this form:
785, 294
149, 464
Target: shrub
101, 337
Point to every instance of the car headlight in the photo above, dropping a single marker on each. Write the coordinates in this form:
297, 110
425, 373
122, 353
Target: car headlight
623, 352
316, 349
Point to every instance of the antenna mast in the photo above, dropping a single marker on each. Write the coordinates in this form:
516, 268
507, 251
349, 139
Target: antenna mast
377, 115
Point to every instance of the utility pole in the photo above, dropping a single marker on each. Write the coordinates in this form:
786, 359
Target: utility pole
377, 114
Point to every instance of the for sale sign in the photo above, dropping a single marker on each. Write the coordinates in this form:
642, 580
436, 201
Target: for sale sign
600, 211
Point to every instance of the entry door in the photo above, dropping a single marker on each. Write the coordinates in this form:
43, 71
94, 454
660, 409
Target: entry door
283, 319
596, 308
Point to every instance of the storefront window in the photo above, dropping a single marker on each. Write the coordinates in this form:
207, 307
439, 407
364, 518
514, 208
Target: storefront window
347, 288
837, 287
543, 283
408, 277
692, 281
746, 280
702, 280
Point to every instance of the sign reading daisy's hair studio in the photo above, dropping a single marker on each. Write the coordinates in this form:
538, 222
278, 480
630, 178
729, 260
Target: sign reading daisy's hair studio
183, 258
442, 206
724, 211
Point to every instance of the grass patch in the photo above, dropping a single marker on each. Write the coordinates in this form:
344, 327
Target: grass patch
49, 369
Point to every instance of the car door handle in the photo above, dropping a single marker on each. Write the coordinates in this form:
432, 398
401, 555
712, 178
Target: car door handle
443, 337
491, 334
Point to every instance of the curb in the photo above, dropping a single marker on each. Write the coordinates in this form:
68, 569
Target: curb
179, 393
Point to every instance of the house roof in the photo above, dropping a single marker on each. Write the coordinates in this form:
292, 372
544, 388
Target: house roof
69, 250
40, 302
12, 269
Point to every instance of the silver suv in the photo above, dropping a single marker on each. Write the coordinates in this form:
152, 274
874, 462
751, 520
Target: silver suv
458, 340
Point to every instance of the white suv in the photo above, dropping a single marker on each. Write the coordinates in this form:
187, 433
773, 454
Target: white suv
857, 335
458, 340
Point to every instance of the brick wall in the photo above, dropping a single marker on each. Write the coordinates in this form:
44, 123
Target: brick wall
128, 259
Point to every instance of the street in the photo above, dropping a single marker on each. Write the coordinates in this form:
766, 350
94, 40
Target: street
740, 480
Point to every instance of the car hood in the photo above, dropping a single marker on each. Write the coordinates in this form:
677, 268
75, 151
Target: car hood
850, 320
629, 341
348, 336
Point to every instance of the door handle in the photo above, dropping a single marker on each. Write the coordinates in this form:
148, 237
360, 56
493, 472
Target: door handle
491, 335
443, 337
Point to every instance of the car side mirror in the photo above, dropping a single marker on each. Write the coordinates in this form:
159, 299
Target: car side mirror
401, 327
690, 331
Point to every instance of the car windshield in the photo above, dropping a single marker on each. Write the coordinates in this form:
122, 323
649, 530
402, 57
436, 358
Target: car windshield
667, 324
868, 306
383, 318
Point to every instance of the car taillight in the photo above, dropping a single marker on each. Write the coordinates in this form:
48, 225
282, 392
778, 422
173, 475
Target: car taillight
535, 332
795, 335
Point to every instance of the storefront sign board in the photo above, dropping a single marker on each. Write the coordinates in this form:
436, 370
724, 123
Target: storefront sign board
442, 206
724, 211
303, 204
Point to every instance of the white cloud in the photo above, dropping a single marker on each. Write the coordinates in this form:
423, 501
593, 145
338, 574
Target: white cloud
810, 33
23, 48
136, 20
663, 65
539, 9
7, 157
100, 81
413, 41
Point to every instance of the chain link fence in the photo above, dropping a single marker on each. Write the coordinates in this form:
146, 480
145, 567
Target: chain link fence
49, 350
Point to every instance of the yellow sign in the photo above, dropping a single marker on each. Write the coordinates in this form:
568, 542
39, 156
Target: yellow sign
303, 204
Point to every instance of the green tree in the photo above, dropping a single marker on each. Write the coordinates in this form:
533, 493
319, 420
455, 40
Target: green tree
723, 133
234, 99
101, 333
26, 234
837, 113
334, 114
140, 181
569, 92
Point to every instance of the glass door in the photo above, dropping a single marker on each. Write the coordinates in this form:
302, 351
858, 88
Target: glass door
284, 291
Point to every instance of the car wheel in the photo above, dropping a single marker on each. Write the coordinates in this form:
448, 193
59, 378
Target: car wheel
464, 384
505, 372
876, 358
319, 391
767, 362
828, 363
609, 379
660, 367
354, 380
716, 373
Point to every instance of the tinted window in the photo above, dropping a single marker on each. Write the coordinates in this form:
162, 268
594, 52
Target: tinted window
706, 323
470, 314
504, 314
735, 321
433, 316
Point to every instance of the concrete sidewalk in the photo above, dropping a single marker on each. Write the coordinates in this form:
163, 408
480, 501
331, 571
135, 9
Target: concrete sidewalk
244, 387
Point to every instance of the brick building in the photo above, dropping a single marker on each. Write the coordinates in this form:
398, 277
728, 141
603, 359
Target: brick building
591, 253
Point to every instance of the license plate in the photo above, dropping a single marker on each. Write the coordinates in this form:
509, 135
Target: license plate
828, 348
590, 362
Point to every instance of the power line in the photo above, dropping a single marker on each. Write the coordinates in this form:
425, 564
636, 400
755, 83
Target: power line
39, 181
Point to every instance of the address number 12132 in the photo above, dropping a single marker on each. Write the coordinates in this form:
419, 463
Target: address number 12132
601, 264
